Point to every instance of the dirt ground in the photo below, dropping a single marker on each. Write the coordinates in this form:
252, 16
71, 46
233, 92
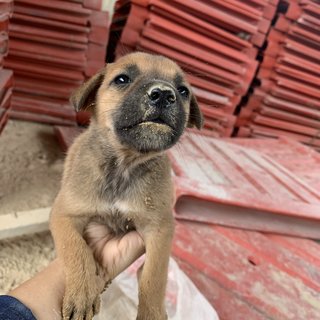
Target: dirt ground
23, 257
31, 164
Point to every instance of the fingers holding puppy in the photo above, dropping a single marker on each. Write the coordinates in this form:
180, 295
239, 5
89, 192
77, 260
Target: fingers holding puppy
113, 253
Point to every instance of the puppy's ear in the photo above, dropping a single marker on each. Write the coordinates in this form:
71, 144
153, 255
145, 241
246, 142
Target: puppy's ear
195, 115
84, 97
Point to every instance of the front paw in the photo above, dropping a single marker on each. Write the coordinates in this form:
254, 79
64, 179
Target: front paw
82, 302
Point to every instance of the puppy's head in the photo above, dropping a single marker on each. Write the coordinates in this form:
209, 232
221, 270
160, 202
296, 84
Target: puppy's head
143, 99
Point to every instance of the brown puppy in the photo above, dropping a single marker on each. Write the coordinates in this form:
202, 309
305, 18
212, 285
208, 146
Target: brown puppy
117, 173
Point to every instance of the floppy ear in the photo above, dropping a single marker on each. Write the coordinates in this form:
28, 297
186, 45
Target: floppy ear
84, 97
195, 115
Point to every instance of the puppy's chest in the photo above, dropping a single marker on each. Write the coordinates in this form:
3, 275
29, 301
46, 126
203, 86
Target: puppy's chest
121, 200
122, 183
118, 217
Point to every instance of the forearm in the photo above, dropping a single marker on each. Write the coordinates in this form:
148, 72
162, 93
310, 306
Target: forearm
43, 293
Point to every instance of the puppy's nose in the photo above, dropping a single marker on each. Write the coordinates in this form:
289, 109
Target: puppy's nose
161, 96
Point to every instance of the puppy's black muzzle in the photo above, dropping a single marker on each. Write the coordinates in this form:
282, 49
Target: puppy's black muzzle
162, 97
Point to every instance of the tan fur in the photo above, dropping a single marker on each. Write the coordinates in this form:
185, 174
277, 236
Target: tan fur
147, 203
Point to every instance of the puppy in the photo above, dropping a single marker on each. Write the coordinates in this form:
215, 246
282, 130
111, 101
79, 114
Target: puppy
117, 173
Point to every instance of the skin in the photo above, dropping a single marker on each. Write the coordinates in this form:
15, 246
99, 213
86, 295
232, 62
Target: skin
43, 293
118, 174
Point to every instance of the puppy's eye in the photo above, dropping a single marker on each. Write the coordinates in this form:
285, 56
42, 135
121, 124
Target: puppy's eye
122, 79
183, 91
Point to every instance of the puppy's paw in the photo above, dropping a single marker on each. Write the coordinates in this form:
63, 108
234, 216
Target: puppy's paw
81, 303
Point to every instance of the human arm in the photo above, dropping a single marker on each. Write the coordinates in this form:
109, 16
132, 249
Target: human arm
43, 293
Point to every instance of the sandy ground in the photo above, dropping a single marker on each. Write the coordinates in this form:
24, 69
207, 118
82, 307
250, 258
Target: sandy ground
22, 257
31, 164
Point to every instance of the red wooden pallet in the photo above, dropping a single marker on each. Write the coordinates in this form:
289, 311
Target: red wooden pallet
54, 46
296, 157
287, 101
239, 187
6, 76
213, 41
250, 275
6, 82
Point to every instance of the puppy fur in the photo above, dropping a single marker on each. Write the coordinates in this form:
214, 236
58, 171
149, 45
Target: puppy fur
117, 173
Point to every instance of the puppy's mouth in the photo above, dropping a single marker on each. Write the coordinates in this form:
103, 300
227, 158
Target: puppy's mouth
159, 121
149, 122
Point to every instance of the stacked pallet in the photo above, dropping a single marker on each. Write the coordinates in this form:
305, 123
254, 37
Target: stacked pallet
215, 42
6, 75
287, 102
302, 160
239, 187
54, 46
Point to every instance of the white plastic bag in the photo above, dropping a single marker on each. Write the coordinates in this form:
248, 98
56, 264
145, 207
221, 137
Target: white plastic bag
183, 299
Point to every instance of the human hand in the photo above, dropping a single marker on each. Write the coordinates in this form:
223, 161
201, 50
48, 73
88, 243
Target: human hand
114, 254
45, 291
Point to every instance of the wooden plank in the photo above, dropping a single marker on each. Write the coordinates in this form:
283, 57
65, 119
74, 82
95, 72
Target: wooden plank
24, 222
262, 278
